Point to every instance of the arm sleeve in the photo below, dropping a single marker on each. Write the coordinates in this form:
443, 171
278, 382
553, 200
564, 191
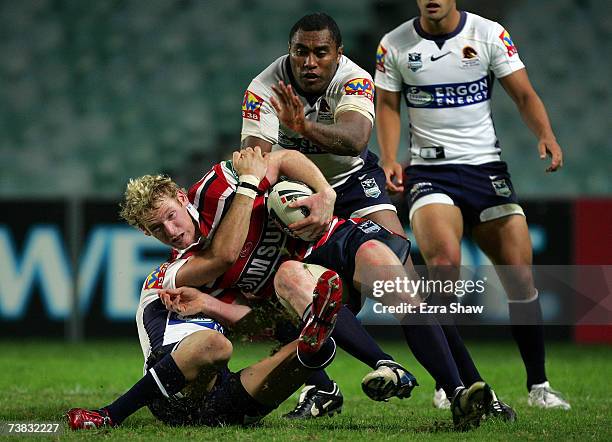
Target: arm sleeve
357, 95
388, 75
212, 196
504, 55
258, 116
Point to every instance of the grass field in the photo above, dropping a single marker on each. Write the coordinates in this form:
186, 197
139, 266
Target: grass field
40, 381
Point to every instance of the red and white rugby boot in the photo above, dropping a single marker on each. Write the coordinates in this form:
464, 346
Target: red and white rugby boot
83, 419
326, 303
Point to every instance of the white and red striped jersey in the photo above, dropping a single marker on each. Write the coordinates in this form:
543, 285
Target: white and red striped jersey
265, 247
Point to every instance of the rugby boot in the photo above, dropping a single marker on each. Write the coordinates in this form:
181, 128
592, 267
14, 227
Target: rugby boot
500, 410
469, 405
389, 380
83, 419
541, 395
326, 303
314, 402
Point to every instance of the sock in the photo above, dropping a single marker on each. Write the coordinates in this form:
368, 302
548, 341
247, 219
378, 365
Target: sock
530, 338
355, 340
467, 369
285, 332
169, 381
429, 346
319, 359
320, 380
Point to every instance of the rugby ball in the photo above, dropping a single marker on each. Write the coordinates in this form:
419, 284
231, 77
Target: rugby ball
282, 194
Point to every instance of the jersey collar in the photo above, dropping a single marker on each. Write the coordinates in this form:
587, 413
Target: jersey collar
440, 39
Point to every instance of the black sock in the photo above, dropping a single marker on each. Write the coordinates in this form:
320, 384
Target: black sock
429, 346
355, 340
528, 332
285, 332
320, 380
467, 369
146, 389
319, 359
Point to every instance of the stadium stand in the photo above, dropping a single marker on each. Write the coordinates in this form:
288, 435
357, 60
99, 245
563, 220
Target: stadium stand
96, 92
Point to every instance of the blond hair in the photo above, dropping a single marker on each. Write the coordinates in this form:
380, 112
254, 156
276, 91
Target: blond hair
143, 195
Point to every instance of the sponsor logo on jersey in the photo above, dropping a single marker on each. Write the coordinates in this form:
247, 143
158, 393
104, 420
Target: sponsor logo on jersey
263, 259
501, 188
325, 114
420, 188
434, 58
360, 86
156, 279
469, 52
370, 188
251, 105
297, 143
508, 43
202, 321
380, 58
448, 95
248, 246
369, 227
414, 61
470, 57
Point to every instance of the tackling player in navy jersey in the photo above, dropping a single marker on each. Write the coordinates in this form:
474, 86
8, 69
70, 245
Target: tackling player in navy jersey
443, 63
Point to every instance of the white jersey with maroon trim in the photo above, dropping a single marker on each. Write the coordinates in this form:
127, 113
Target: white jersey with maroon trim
351, 89
447, 83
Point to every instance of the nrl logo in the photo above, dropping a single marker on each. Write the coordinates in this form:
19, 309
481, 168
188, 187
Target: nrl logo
414, 61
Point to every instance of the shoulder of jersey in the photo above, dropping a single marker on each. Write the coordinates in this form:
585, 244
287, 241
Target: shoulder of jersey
404, 34
272, 73
482, 23
349, 70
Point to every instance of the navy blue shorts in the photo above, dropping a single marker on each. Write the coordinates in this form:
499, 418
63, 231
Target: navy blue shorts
339, 251
483, 192
364, 192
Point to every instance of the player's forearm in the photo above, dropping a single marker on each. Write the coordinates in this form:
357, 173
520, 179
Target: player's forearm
297, 166
212, 262
388, 124
227, 314
534, 115
339, 138
231, 234
388, 130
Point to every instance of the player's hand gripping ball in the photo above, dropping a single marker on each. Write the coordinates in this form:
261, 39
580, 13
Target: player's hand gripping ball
282, 194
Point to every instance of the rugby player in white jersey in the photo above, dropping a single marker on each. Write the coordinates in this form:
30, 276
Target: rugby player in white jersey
316, 100
443, 63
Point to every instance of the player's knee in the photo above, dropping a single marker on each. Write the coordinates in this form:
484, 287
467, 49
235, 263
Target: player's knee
212, 349
372, 253
287, 278
220, 348
521, 286
445, 257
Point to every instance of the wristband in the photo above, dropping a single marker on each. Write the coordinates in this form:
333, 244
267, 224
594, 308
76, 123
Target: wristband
246, 192
250, 179
249, 186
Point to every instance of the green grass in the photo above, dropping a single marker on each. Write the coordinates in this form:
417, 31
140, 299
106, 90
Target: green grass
40, 381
